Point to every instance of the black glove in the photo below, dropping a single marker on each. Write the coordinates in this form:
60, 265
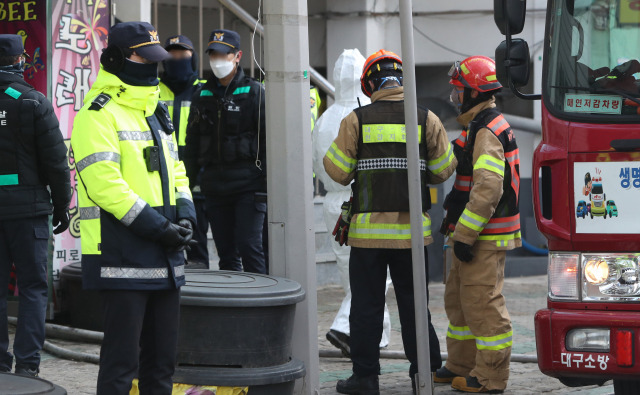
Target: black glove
463, 251
60, 220
185, 223
175, 236
187, 247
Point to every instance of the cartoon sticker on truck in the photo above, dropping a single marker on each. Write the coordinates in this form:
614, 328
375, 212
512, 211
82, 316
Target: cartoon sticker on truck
607, 190
598, 198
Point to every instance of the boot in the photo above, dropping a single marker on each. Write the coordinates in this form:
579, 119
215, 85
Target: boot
471, 384
355, 385
443, 375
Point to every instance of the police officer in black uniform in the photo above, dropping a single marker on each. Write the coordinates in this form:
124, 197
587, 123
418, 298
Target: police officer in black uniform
226, 136
32, 156
178, 84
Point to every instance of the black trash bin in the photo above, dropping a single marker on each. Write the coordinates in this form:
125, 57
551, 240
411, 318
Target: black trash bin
80, 308
84, 308
236, 330
271, 380
11, 384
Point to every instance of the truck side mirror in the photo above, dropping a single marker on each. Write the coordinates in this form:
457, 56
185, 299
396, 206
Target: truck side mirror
513, 65
511, 14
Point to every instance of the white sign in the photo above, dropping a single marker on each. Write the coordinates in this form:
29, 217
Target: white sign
606, 196
599, 104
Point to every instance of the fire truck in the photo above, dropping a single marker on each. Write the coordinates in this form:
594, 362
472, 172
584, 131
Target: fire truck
590, 151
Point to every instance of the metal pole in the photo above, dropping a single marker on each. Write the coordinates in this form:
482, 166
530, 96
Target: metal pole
200, 47
423, 378
179, 16
290, 200
392, 354
221, 16
317, 78
524, 124
155, 13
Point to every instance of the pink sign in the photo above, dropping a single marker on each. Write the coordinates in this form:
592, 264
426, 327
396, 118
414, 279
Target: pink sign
79, 32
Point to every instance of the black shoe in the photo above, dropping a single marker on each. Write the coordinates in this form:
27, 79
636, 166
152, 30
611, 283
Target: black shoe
26, 371
341, 341
4, 369
355, 385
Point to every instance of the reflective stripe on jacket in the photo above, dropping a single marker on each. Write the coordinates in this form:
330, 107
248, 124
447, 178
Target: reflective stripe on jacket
124, 208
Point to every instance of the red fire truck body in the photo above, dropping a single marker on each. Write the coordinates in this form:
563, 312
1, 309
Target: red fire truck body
589, 156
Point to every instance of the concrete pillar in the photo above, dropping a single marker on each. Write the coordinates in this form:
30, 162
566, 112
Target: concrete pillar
289, 171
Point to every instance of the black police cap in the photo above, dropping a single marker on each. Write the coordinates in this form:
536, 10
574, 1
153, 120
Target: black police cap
224, 41
11, 45
178, 41
140, 37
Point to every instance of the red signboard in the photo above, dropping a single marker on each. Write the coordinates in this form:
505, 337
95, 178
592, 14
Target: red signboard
29, 20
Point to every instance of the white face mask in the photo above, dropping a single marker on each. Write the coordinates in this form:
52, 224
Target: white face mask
222, 67
455, 99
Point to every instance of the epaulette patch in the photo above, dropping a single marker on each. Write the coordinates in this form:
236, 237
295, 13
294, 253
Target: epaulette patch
99, 102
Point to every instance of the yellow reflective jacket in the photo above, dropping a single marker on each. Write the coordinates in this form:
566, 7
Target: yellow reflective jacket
182, 101
124, 208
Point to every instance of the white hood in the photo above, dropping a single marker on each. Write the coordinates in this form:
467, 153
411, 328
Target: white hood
346, 79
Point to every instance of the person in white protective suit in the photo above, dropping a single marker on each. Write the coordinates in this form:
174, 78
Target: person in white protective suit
346, 79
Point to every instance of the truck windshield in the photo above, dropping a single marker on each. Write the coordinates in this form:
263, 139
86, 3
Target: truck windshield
593, 58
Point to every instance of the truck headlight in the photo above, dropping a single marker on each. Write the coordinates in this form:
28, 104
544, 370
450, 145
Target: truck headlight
597, 271
563, 276
610, 276
587, 339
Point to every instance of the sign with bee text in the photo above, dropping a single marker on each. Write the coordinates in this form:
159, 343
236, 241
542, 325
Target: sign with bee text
28, 19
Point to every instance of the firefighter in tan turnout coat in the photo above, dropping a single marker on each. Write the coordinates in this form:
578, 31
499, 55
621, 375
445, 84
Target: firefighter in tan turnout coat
371, 149
484, 222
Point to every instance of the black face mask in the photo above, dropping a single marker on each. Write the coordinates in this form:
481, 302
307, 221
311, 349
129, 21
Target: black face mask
139, 74
468, 102
178, 70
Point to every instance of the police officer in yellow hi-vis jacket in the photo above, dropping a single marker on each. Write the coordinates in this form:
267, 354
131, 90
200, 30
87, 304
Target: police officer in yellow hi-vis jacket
136, 211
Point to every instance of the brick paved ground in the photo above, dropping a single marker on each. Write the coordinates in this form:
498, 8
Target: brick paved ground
524, 296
